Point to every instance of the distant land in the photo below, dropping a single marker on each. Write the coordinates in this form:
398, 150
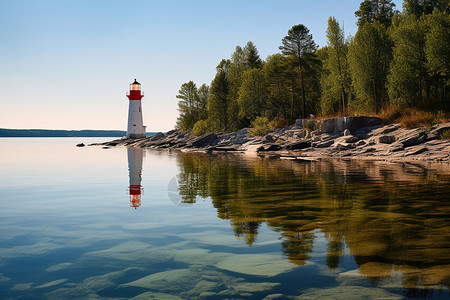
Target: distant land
62, 133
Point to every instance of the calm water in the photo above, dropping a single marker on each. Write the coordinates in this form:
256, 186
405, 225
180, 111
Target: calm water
93, 223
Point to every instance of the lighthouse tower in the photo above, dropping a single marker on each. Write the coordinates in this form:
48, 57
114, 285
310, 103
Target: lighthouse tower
135, 157
136, 128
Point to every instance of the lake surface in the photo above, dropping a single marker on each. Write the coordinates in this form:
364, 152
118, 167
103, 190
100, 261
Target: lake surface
93, 223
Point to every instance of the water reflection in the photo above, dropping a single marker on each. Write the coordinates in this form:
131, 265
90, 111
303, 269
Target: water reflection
392, 217
135, 158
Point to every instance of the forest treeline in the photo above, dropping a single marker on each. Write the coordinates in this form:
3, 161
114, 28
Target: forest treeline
396, 58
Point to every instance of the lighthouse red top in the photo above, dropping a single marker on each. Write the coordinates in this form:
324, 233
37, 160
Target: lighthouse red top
135, 91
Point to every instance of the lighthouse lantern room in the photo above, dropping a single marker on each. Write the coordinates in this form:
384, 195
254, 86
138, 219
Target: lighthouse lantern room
136, 128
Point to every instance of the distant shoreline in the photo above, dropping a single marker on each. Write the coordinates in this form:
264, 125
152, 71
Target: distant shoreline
4, 132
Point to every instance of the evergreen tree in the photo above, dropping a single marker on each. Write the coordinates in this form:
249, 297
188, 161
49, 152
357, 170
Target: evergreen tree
251, 56
437, 49
408, 71
235, 70
277, 78
369, 56
203, 96
252, 95
187, 106
218, 102
375, 10
420, 7
337, 63
299, 45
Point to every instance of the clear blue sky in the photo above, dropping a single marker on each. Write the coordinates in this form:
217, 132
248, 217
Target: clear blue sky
67, 64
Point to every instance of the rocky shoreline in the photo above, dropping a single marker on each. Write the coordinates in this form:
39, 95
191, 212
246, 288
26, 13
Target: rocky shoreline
346, 137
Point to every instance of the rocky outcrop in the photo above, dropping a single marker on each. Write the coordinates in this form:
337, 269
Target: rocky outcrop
337, 137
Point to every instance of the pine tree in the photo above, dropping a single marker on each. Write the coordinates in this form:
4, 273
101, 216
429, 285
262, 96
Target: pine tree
299, 45
369, 56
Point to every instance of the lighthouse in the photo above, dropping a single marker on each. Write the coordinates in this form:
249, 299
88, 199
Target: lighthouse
136, 128
135, 158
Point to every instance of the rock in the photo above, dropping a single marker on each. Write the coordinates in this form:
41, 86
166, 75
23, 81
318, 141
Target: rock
299, 123
204, 140
383, 139
416, 150
270, 147
157, 136
343, 146
350, 123
413, 137
439, 130
298, 145
268, 138
170, 132
81, 145
395, 147
347, 132
324, 144
386, 129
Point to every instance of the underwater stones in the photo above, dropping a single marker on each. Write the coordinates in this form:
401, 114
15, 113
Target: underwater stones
3, 278
256, 264
350, 293
59, 267
156, 296
22, 286
132, 252
169, 281
52, 283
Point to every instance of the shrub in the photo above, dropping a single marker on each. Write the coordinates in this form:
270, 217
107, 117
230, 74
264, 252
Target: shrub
445, 135
201, 127
411, 117
311, 125
260, 126
279, 123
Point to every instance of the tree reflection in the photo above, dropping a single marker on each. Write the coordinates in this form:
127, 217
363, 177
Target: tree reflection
394, 218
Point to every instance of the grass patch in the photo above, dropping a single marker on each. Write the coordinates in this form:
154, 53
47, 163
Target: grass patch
411, 117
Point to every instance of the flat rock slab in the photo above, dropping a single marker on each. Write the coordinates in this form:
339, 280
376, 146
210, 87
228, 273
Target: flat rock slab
256, 264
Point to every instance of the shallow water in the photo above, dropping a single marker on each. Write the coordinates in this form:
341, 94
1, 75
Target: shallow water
122, 223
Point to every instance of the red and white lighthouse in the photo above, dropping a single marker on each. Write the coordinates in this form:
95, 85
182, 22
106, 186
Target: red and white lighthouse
136, 128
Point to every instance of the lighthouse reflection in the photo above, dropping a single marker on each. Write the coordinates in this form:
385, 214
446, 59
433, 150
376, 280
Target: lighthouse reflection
135, 190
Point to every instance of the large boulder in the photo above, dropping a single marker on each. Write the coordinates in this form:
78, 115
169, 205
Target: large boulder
351, 123
204, 140
413, 137
298, 145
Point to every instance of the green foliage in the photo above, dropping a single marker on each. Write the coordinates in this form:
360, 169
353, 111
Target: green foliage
375, 10
260, 126
408, 71
336, 79
188, 106
251, 55
252, 95
437, 48
299, 46
218, 103
202, 127
279, 123
280, 93
445, 135
421, 7
369, 56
